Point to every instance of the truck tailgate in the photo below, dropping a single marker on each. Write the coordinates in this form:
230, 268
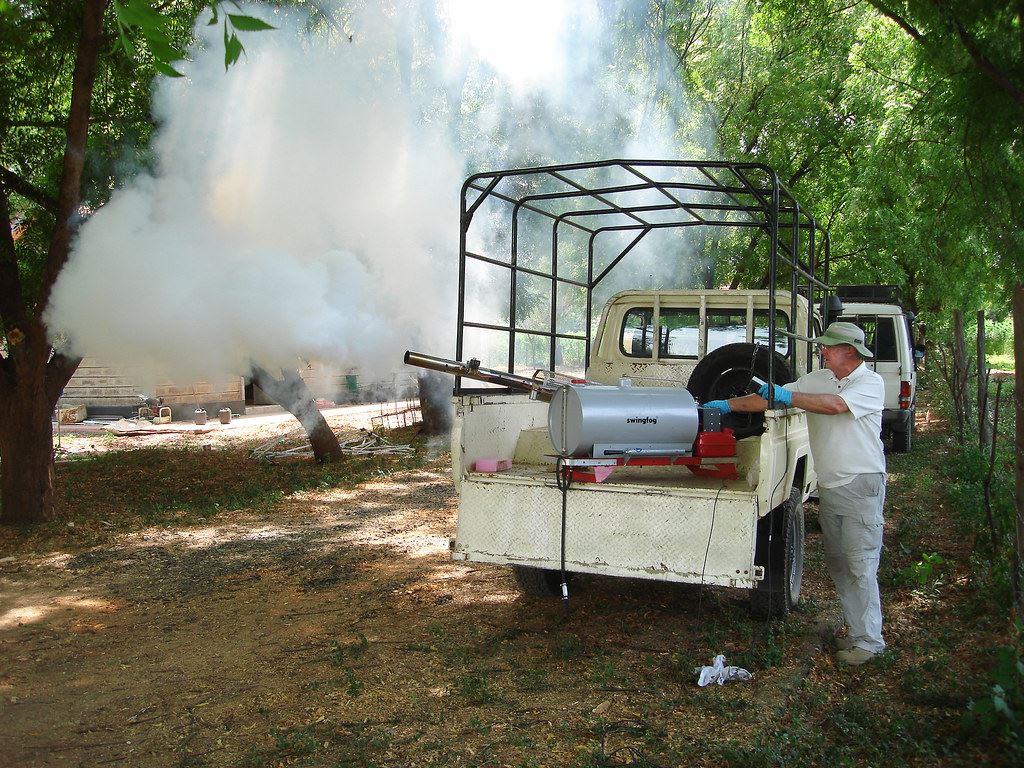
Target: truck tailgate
654, 529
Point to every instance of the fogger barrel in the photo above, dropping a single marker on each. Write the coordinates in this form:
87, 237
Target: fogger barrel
595, 420
540, 388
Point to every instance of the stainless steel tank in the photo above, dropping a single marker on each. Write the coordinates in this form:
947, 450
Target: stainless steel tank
595, 420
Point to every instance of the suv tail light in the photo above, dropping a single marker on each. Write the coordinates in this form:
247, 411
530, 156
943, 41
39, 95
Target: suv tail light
904, 395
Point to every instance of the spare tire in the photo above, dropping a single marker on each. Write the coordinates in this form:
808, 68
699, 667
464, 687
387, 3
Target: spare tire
728, 372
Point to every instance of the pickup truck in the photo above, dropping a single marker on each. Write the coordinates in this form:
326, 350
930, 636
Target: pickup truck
681, 512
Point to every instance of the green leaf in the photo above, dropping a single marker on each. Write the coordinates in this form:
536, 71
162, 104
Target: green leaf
215, 17
165, 69
126, 43
232, 48
162, 50
248, 23
137, 13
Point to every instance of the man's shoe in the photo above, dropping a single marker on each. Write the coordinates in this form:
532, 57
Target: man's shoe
855, 656
844, 643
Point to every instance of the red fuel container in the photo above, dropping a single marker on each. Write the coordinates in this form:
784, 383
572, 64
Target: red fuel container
713, 445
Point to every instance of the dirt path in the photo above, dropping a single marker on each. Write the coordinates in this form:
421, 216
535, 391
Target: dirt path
175, 643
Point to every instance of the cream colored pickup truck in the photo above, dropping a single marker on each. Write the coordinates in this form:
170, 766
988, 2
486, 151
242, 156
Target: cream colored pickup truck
653, 522
586, 449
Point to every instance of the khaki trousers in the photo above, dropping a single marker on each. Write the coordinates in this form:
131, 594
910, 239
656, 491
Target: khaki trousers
851, 522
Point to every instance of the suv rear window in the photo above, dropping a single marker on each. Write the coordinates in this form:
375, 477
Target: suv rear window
879, 335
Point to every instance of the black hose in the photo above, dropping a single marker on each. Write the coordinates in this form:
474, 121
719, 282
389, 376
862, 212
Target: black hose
563, 477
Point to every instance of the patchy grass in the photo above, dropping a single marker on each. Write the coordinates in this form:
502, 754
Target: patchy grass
125, 490
1000, 362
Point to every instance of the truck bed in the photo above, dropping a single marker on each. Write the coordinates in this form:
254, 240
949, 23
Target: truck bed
640, 524
651, 522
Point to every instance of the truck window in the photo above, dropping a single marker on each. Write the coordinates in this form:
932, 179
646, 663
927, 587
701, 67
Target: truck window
761, 330
879, 335
679, 329
678, 332
730, 327
726, 327
638, 332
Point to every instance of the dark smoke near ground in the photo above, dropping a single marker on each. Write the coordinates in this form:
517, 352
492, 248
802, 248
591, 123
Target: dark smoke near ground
435, 393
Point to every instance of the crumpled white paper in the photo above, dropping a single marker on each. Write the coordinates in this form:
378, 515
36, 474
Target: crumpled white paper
719, 673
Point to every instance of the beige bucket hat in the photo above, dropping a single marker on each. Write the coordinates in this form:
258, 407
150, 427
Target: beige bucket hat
844, 333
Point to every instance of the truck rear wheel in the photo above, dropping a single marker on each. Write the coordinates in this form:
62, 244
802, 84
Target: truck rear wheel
728, 372
902, 437
780, 550
538, 582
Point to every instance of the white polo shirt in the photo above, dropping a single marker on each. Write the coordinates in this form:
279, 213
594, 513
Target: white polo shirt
846, 444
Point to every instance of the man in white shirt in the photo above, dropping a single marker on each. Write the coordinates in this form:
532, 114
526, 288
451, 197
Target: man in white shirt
844, 402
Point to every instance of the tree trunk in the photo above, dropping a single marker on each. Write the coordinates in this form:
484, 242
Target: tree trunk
984, 433
1018, 399
709, 264
26, 451
960, 376
292, 394
30, 379
435, 402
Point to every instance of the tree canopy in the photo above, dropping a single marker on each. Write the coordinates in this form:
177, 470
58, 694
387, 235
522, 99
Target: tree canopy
898, 123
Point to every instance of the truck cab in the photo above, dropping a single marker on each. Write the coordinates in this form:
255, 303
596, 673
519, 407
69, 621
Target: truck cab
662, 335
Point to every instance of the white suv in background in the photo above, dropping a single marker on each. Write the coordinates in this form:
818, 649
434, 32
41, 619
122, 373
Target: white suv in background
888, 331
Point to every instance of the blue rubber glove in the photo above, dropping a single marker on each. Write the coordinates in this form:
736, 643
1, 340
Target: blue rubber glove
722, 405
782, 396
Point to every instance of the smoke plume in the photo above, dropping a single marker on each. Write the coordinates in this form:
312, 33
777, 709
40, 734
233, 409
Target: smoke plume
304, 204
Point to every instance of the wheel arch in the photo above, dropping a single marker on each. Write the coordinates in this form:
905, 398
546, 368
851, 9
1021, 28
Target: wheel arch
798, 479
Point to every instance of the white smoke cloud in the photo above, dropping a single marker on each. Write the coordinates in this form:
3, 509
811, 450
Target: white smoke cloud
305, 203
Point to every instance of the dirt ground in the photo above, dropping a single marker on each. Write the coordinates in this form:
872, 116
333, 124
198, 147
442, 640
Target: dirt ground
334, 630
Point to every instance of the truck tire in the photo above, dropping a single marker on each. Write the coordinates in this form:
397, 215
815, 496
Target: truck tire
780, 550
538, 582
902, 438
727, 372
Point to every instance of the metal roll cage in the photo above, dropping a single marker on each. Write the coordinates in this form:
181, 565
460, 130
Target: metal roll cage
669, 195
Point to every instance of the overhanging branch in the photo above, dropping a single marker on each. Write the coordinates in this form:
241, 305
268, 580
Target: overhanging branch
903, 24
987, 66
17, 184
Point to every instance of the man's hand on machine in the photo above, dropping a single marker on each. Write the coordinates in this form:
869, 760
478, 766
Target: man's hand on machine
722, 405
782, 396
